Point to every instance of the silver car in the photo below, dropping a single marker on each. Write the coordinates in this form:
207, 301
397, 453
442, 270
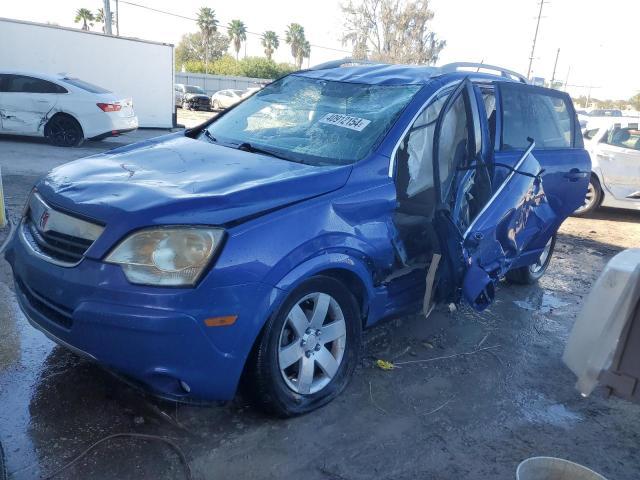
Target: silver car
614, 146
226, 98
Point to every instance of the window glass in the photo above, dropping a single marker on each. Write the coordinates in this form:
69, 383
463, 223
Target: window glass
624, 137
89, 87
545, 118
453, 148
193, 89
25, 84
315, 121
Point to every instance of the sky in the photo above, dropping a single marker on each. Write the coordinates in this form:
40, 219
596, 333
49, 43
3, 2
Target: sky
595, 38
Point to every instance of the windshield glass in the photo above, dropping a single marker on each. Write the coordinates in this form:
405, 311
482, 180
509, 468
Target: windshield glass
193, 89
314, 121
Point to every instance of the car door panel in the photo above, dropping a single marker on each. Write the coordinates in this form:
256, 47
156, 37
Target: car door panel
620, 169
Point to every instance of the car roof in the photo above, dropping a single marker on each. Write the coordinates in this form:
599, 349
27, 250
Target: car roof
605, 122
44, 76
388, 74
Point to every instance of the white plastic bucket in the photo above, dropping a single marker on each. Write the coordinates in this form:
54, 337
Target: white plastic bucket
550, 468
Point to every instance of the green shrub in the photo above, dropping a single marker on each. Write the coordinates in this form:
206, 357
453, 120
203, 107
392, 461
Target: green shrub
256, 67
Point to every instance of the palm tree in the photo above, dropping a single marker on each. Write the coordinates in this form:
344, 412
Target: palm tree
208, 25
85, 16
296, 38
237, 31
270, 42
305, 51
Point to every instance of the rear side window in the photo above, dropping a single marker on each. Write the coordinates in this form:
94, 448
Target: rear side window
26, 84
86, 86
531, 112
623, 137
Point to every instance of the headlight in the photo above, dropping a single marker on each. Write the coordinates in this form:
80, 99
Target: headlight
174, 256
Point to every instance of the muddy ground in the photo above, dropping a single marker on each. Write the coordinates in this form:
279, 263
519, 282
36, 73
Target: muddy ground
464, 416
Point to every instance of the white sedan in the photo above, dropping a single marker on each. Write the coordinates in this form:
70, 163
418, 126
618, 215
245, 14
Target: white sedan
226, 98
614, 146
64, 109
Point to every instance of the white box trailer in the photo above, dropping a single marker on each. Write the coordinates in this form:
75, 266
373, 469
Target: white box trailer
130, 67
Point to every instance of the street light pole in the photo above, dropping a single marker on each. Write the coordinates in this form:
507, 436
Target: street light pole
535, 39
117, 19
107, 17
555, 65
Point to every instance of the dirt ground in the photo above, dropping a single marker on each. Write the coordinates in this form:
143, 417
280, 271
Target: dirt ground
448, 413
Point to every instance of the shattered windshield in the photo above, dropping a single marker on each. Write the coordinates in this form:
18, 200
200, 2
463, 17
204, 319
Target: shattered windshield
314, 121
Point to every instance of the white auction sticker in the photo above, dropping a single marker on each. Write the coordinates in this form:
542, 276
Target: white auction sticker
346, 121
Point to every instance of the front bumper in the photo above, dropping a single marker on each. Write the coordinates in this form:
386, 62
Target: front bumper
155, 336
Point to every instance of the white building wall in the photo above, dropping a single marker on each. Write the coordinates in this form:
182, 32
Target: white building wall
129, 67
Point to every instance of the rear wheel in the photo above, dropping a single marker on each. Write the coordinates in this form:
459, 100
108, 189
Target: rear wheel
532, 273
308, 349
592, 198
64, 131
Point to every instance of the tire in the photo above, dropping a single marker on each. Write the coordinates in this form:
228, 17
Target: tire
185, 106
64, 131
530, 274
287, 392
593, 198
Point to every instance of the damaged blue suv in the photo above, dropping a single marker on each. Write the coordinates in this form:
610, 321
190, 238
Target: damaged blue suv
257, 246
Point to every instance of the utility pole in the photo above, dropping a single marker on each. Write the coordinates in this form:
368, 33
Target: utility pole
107, 17
117, 19
566, 79
555, 65
535, 39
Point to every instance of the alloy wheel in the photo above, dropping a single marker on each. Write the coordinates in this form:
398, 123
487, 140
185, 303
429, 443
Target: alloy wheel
312, 343
589, 199
542, 261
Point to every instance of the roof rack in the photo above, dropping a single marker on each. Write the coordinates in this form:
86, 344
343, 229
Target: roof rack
343, 62
454, 67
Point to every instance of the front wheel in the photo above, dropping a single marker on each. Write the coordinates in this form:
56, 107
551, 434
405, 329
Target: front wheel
308, 350
530, 274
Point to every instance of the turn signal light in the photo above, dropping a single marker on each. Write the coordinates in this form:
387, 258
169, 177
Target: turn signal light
109, 107
220, 321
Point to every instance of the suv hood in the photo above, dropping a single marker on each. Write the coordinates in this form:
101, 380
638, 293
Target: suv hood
175, 179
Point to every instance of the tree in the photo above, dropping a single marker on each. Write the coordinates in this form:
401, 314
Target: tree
85, 16
395, 31
208, 25
305, 51
237, 32
270, 42
192, 48
295, 37
99, 17
635, 101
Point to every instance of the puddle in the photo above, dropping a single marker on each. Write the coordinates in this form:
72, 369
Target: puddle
547, 303
536, 408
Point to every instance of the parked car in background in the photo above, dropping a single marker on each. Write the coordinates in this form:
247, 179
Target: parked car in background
605, 112
226, 98
259, 244
61, 108
614, 146
191, 97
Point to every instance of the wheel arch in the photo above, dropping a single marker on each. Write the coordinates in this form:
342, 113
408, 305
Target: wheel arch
64, 113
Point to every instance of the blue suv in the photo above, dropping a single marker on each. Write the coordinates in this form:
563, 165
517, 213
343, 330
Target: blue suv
257, 246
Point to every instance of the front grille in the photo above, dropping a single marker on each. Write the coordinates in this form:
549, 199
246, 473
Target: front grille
49, 309
56, 236
57, 245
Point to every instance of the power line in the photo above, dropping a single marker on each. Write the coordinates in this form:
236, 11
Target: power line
184, 17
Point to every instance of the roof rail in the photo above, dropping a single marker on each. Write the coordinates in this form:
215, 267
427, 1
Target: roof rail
454, 67
343, 62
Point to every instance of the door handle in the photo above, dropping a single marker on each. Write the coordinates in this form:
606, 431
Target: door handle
574, 175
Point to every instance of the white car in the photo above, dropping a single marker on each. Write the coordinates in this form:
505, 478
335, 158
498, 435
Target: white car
226, 98
64, 109
614, 146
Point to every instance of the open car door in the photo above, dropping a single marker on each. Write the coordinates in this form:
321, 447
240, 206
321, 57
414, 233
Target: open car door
482, 228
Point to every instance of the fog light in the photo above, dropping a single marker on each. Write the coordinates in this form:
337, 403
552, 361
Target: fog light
185, 386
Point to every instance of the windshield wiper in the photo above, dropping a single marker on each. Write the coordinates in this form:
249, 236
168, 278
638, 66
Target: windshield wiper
209, 135
247, 147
